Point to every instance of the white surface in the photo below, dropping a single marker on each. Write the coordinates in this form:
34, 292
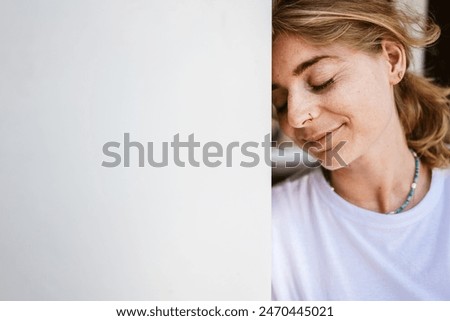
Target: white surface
77, 74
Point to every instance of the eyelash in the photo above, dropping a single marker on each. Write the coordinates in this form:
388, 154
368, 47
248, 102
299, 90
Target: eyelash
316, 89
322, 86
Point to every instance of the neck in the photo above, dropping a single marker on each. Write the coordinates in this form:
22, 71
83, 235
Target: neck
381, 186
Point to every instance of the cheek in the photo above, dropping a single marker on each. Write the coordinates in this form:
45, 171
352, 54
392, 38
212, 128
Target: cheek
366, 103
377, 109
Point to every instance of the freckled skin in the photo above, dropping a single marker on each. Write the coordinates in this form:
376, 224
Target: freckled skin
349, 93
359, 99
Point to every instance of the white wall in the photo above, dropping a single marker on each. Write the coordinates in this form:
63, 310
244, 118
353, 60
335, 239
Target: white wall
77, 74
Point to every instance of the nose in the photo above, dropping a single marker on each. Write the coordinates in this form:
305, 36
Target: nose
301, 110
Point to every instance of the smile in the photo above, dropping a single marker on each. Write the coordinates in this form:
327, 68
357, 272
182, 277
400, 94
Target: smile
322, 141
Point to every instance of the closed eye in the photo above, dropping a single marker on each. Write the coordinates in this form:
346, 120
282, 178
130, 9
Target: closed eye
283, 108
322, 86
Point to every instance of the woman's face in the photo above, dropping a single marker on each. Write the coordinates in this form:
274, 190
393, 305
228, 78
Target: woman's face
333, 101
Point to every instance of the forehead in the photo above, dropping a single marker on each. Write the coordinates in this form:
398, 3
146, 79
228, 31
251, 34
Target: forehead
289, 51
296, 45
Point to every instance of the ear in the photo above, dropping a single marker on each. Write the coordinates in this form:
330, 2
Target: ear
396, 58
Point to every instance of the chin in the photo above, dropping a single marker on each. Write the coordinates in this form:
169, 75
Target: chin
333, 166
332, 160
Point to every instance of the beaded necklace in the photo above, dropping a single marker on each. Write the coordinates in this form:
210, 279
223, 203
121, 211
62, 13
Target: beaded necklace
411, 192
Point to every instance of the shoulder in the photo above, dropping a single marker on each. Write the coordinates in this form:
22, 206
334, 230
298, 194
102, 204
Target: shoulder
293, 183
444, 172
295, 190
441, 176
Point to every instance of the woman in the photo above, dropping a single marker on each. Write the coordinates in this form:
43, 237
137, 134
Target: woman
373, 223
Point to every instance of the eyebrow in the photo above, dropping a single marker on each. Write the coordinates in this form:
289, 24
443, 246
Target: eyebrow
305, 65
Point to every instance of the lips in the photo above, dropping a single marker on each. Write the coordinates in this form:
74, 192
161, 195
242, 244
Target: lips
319, 141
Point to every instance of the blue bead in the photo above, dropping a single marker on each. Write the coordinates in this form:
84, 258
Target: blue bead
413, 185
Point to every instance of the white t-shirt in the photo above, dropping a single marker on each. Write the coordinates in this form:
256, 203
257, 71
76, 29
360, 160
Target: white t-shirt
325, 248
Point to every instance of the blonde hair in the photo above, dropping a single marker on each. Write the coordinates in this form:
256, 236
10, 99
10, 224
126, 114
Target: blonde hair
423, 107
